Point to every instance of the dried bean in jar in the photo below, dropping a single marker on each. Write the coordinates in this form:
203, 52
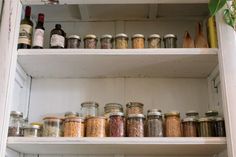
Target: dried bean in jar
172, 124
96, 127
135, 125
117, 124
74, 127
106, 41
90, 41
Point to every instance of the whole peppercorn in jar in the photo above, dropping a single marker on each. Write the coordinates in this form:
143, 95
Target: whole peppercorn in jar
96, 127
52, 127
138, 41
73, 42
117, 124
135, 125
154, 124
90, 41
106, 41
89, 109
121, 41
16, 124
172, 124
134, 108
74, 127
154, 41
170, 41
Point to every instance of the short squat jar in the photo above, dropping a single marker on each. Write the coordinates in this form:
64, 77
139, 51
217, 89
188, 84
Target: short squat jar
106, 41
52, 127
170, 41
73, 42
89, 109
154, 124
90, 41
121, 41
74, 127
172, 124
96, 127
134, 108
190, 127
71, 114
206, 127
117, 124
154, 41
16, 124
135, 125
138, 41
32, 131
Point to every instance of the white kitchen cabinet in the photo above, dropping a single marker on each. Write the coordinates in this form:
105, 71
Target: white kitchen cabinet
52, 81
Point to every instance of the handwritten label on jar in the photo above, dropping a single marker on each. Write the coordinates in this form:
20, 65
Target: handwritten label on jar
57, 40
38, 38
25, 36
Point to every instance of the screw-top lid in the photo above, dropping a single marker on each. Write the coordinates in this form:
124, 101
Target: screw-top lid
211, 113
192, 113
153, 110
116, 114
16, 113
121, 35
172, 113
106, 36
190, 119
90, 36
205, 119
37, 123
89, 104
170, 36
136, 116
154, 36
29, 126
134, 104
74, 37
52, 118
154, 113
138, 36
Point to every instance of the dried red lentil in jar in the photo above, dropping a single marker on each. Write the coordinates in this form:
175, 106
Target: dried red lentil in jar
96, 127
74, 127
117, 124
172, 124
90, 41
134, 108
138, 41
135, 125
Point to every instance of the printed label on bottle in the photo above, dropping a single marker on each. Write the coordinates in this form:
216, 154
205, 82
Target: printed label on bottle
25, 36
38, 38
57, 40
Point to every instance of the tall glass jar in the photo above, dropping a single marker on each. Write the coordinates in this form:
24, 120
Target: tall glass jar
117, 124
106, 41
154, 124
205, 127
172, 124
96, 127
135, 125
74, 127
52, 127
134, 108
212, 114
220, 127
121, 41
16, 124
89, 109
190, 127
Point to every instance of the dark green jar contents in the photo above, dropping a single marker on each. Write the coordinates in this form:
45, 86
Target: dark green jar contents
205, 127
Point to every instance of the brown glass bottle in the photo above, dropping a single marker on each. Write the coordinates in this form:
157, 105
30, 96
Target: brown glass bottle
57, 37
39, 33
26, 31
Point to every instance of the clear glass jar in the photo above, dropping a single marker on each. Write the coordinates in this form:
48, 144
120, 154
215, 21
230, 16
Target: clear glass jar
121, 41
52, 127
32, 131
205, 127
154, 124
71, 114
73, 42
16, 124
96, 127
134, 108
220, 127
89, 109
154, 41
106, 41
170, 41
74, 127
190, 127
172, 124
117, 124
112, 107
212, 114
138, 41
90, 41
135, 125
40, 131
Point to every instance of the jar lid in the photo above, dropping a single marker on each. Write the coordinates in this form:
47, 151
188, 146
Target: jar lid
133, 104
154, 113
154, 36
89, 104
16, 113
116, 114
106, 36
205, 119
136, 116
78, 119
90, 36
97, 117
121, 35
219, 119
190, 119
170, 36
71, 113
74, 37
52, 118
153, 110
32, 127
172, 113
138, 36
37, 123
211, 113
192, 113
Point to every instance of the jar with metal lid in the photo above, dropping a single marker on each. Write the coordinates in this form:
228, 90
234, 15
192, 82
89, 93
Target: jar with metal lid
135, 125
172, 124
154, 110
190, 127
52, 127
40, 131
154, 41
134, 108
96, 127
170, 41
193, 114
74, 127
219, 127
212, 114
16, 124
112, 107
138, 41
154, 124
32, 131
73, 41
89, 109
205, 127
90, 41
106, 41
121, 41
71, 114
117, 124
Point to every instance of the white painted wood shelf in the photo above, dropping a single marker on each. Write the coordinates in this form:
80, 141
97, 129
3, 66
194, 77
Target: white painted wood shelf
131, 146
100, 63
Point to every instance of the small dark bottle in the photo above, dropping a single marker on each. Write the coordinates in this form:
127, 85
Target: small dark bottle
57, 37
39, 33
26, 31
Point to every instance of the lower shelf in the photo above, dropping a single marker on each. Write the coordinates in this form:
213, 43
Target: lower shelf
134, 146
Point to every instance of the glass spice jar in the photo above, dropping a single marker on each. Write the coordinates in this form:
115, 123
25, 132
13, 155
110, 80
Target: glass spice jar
52, 127
135, 125
71, 114
205, 127
170, 41
134, 108
40, 131
121, 41
154, 41
154, 124
32, 131
89, 109
172, 124
106, 41
190, 127
138, 41
96, 127
16, 124
74, 127
73, 42
117, 124
212, 114
90, 41
220, 127
112, 107
192, 114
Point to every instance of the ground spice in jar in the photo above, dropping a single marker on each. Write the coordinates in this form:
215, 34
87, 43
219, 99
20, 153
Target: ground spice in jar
90, 41
117, 124
154, 124
172, 124
106, 41
190, 126
74, 127
52, 127
135, 125
121, 41
138, 41
134, 108
154, 41
96, 127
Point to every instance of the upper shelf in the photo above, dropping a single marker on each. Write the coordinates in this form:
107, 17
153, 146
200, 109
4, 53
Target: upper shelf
86, 63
